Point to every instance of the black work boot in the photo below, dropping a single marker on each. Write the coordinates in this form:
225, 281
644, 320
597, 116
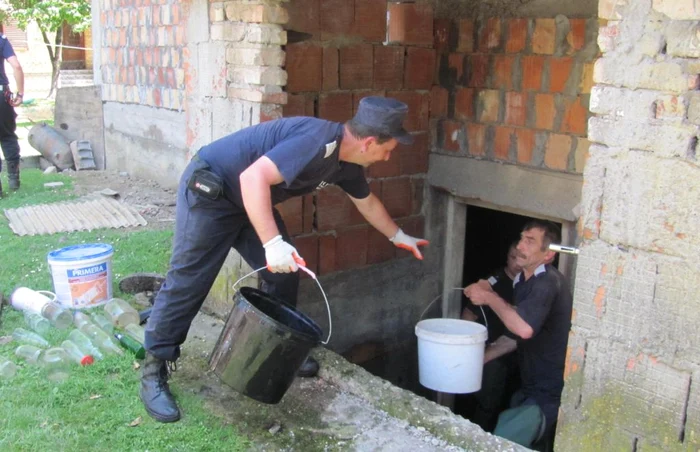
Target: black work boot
155, 393
309, 368
13, 174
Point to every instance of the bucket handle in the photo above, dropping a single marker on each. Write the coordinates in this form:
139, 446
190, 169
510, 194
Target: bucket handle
440, 296
313, 276
48, 294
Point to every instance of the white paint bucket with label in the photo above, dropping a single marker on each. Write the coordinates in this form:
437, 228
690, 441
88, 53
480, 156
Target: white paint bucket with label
82, 275
451, 355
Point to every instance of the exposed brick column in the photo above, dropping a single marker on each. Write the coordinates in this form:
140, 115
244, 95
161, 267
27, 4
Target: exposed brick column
633, 358
237, 72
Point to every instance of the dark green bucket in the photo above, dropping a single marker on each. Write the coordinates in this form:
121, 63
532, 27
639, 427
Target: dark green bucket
262, 346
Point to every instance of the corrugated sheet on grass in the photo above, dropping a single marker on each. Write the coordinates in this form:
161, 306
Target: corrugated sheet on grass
79, 215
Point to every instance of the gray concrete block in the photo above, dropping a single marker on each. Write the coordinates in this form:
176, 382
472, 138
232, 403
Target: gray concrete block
652, 204
665, 139
631, 71
198, 21
694, 108
622, 102
682, 39
233, 115
211, 69
79, 116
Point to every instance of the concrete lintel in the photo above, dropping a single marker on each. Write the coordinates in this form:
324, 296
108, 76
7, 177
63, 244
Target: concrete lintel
527, 190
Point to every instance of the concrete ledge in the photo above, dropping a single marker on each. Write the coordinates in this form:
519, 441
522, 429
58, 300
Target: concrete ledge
527, 190
344, 408
406, 406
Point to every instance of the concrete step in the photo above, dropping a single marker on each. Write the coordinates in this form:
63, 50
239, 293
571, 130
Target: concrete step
29, 157
30, 161
77, 77
76, 71
65, 83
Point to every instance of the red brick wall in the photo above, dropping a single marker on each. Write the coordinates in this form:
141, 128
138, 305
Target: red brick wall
514, 90
345, 60
142, 52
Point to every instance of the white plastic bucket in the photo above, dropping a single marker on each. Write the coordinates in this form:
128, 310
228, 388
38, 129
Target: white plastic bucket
26, 299
82, 275
450, 355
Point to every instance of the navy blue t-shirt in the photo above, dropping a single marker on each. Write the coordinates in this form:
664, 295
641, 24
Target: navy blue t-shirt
7, 52
545, 302
305, 151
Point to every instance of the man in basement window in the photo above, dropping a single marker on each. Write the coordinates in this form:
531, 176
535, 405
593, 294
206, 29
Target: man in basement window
501, 376
225, 200
538, 329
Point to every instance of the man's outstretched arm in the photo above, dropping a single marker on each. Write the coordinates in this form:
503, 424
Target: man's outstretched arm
376, 214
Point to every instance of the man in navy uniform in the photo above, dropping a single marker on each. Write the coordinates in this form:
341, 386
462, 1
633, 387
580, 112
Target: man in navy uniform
538, 326
225, 200
8, 102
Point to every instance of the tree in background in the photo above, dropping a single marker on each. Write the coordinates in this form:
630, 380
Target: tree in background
50, 16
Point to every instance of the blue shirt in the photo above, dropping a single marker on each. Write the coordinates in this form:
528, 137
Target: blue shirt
7, 52
304, 149
545, 302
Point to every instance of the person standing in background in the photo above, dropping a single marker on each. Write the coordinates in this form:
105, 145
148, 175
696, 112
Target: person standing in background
8, 138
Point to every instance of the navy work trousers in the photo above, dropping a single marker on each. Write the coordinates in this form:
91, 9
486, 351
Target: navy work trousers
205, 231
8, 126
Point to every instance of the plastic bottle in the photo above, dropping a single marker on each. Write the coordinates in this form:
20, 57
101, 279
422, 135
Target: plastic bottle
8, 369
59, 317
57, 364
101, 339
131, 344
29, 353
102, 322
76, 354
80, 318
136, 332
26, 299
84, 344
120, 313
36, 322
28, 337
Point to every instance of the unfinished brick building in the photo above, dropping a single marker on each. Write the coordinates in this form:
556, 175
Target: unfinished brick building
585, 113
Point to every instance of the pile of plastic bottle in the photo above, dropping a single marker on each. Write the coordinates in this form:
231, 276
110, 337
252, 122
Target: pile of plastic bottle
93, 336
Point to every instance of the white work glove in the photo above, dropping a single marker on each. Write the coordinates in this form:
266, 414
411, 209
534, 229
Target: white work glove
402, 240
281, 256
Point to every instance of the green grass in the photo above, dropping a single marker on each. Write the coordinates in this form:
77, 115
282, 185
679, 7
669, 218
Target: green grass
29, 124
93, 409
24, 258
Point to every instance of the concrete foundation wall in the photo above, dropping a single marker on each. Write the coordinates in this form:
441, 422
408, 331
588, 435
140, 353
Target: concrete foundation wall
145, 141
633, 359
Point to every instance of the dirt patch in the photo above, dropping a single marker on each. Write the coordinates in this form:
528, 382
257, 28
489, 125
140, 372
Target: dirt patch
155, 203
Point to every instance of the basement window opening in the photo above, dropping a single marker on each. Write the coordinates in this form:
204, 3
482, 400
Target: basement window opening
489, 235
